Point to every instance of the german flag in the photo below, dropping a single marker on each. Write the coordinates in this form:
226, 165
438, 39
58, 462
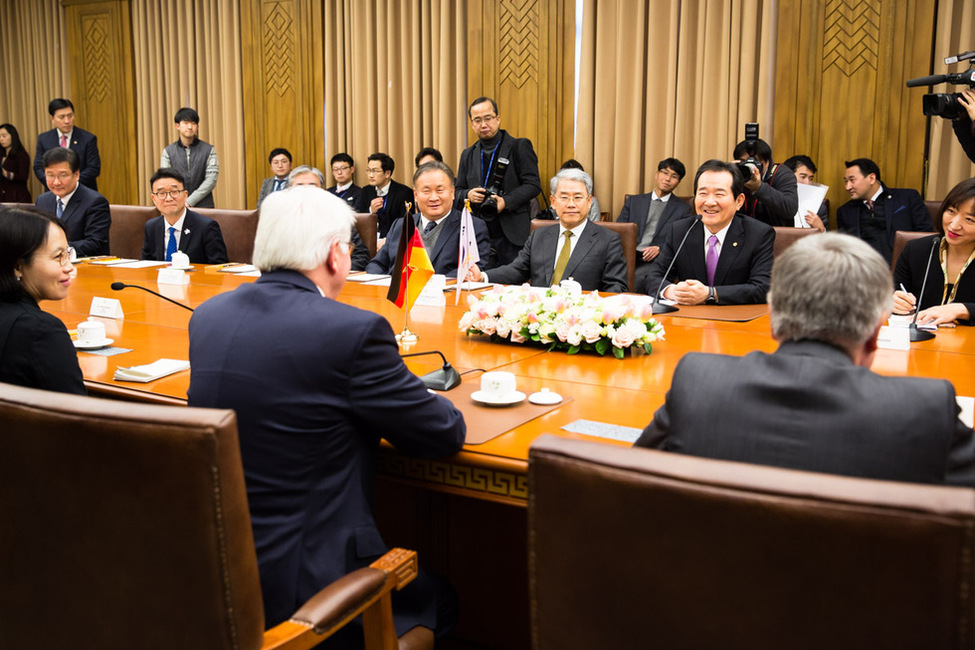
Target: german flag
412, 269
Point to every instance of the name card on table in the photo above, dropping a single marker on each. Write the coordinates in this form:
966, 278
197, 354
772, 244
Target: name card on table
894, 338
172, 276
432, 294
106, 308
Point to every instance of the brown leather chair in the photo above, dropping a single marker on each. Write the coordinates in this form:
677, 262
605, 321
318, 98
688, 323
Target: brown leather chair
128, 231
126, 526
785, 237
901, 237
238, 227
934, 209
627, 233
368, 227
633, 548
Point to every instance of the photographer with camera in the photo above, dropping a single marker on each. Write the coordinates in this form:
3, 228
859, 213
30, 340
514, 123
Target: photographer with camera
771, 195
499, 174
957, 107
964, 124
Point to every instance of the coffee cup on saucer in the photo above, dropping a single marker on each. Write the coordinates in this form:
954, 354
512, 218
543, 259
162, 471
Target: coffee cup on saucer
498, 388
91, 333
180, 260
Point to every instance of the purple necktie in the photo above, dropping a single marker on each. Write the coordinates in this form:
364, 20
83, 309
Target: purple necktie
711, 261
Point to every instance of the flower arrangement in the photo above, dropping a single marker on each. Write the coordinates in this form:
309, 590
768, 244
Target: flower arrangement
564, 318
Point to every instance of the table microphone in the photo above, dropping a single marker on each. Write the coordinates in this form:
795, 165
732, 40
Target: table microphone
918, 334
659, 307
444, 379
118, 286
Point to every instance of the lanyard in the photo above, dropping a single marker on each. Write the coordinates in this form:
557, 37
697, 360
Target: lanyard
491, 163
943, 258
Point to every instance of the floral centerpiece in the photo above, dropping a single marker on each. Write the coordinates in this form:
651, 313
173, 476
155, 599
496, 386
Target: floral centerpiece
564, 318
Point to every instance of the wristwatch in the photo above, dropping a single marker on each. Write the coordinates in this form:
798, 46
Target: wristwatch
712, 297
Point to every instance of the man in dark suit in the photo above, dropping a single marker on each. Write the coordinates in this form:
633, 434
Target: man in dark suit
875, 212
66, 135
653, 213
315, 384
729, 260
280, 161
438, 223
814, 404
179, 229
508, 213
577, 249
82, 211
343, 171
770, 189
383, 197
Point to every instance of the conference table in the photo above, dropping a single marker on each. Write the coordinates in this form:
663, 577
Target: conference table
471, 505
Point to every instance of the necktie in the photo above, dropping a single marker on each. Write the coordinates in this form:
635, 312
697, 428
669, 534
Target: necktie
64, 141
429, 227
60, 208
870, 205
279, 184
711, 261
171, 244
563, 260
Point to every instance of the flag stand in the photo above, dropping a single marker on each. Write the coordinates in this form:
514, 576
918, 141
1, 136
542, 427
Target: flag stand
406, 336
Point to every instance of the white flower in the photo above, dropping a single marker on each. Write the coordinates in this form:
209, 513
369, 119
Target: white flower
622, 338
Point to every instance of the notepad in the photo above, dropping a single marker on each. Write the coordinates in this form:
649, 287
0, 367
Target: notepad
113, 261
151, 371
366, 277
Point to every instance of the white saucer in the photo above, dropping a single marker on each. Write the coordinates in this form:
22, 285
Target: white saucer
545, 397
501, 400
93, 346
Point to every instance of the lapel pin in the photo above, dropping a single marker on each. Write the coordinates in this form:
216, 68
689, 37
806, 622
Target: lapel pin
733, 244
187, 231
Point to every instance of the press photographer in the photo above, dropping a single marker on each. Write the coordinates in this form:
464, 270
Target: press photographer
771, 195
957, 107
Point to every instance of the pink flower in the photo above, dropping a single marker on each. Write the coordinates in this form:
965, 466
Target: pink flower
623, 338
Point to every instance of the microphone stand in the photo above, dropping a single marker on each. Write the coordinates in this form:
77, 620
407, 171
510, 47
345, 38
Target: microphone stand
918, 334
118, 286
444, 379
659, 307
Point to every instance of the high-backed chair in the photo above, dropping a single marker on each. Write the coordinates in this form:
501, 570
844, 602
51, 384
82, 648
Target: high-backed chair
634, 548
901, 237
239, 228
368, 227
126, 526
128, 231
785, 237
934, 209
627, 233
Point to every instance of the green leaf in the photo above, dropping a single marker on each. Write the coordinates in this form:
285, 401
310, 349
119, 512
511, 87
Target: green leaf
648, 347
602, 346
618, 352
573, 349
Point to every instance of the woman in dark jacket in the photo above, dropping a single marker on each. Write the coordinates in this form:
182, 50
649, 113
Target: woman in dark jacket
14, 167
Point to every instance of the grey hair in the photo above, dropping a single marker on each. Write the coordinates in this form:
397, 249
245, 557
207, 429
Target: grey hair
306, 169
297, 228
829, 287
572, 175
434, 165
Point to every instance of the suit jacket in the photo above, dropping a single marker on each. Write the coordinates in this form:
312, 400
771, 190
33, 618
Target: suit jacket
776, 200
444, 254
636, 208
316, 384
14, 190
744, 267
910, 272
395, 207
903, 210
83, 143
520, 186
201, 239
35, 349
267, 186
350, 195
597, 262
809, 407
86, 220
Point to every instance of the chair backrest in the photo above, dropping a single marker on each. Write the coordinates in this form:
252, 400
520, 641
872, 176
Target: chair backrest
785, 237
124, 526
633, 548
128, 231
901, 237
934, 209
627, 233
368, 227
239, 228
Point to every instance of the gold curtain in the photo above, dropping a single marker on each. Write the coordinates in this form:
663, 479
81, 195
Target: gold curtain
188, 54
665, 78
394, 80
32, 76
954, 33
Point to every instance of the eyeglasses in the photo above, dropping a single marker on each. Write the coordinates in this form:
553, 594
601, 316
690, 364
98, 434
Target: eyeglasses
574, 199
478, 121
374, 171
347, 245
343, 168
63, 176
66, 257
173, 194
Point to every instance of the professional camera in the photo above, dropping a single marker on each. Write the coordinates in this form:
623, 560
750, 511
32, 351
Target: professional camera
751, 163
489, 207
946, 104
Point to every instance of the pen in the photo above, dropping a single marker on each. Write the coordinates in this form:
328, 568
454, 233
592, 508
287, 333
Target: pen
904, 289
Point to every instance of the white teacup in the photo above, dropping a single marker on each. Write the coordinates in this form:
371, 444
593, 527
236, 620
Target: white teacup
498, 384
180, 260
91, 332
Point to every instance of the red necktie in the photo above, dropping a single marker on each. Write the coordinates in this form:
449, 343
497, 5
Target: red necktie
64, 141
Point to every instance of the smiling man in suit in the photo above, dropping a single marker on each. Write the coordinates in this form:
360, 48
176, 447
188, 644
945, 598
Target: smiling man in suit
729, 260
66, 135
179, 229
438, 223
82, 211
578, 249
653, 213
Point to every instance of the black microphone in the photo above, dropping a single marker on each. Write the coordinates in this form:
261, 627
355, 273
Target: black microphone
118, 286
659, 307
444, 379
965, 56
917, 334
927, 81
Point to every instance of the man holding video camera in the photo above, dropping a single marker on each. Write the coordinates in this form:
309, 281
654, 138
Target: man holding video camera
771, 195
964, 124
499, 174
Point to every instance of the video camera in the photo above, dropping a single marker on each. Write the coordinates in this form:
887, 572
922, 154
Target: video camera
946, 104
751, 163
489, 207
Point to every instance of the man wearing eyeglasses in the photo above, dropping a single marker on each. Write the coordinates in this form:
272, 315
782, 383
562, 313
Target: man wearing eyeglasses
508, 212
343, 171
383, 197
179, 229
82, 211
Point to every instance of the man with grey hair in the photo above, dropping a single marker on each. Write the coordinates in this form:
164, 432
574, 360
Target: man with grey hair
301, 370
814, 404
578, 249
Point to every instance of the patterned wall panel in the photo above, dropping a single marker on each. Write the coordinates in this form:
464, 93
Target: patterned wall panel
99, 66
518, 42
278, 48
852, 30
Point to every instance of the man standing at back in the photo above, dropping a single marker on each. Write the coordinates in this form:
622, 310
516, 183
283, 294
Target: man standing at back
66, 135
508, 212
814, 404
194, 159
82, 211
316, 384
